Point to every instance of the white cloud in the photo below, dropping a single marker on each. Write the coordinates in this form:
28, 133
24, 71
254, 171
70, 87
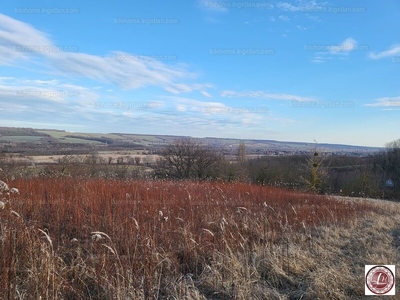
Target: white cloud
303, 6
386, 102
284, 18
212, 112
264, 95
39, 100
15, 37
326, 52
393, 51
288, 6
19, 40
206, 94
30, 91
346, 46
181, 108
313, 18
195, 105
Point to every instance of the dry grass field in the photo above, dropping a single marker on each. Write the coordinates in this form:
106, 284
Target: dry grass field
104, 156
64, 238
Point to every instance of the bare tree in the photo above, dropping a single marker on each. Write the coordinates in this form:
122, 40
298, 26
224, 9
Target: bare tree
205, 162
180, 156
186, 158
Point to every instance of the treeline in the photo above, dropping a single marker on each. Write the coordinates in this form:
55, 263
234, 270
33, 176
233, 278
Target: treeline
76, 165
102, 139
11, 131
373, 176
47, 146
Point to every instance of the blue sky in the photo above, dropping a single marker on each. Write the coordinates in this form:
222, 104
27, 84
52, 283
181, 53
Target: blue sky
282, 70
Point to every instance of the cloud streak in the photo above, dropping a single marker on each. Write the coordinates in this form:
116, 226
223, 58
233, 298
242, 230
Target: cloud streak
264, 95
21, 41
302, 6
387, 102
392, 51
15, 34
327, 52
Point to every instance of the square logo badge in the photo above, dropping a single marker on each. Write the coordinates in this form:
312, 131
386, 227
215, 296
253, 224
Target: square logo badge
380, 280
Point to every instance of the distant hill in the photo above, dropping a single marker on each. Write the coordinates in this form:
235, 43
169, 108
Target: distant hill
115, 141
15, 131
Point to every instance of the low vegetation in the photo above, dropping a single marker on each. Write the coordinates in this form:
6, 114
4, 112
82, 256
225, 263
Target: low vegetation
192, 222
69, 238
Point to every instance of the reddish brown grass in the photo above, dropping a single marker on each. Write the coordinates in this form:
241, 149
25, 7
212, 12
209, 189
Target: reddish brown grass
104, 239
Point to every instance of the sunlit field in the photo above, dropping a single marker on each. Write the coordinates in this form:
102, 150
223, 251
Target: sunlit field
104, 239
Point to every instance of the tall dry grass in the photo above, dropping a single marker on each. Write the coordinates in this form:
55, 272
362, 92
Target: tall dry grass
108, 239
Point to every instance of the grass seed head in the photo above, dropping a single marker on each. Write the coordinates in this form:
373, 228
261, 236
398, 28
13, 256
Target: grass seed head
209, 231
14, 191
96, 237
16, 214
3, 186
47, 237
